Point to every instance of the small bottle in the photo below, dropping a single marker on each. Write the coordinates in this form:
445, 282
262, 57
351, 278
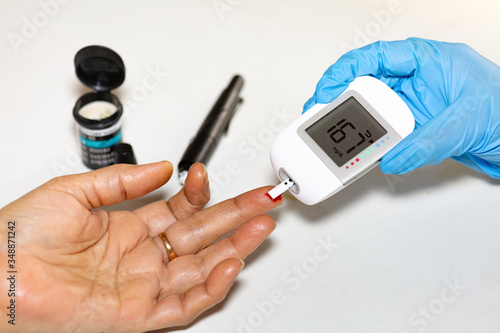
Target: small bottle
98, 113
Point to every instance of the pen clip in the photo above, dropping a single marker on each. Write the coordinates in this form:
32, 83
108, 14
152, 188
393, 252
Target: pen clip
235, 109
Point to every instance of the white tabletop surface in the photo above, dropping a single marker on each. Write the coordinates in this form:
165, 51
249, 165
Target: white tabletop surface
412, 253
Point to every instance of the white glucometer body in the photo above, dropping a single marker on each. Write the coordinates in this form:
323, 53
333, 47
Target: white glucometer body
332, 145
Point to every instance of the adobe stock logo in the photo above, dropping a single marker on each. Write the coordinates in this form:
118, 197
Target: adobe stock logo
38, 20
154, 77
368, 34
422, 319
223, 7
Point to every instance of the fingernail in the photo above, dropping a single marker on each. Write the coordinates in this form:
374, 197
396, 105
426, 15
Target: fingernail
205, 178
242, 265
205, 174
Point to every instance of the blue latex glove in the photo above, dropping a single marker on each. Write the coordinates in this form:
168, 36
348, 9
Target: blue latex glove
453, 92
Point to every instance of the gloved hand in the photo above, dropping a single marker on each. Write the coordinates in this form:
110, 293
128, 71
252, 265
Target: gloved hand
453, 92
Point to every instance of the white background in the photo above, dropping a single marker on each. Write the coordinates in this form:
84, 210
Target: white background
401, 241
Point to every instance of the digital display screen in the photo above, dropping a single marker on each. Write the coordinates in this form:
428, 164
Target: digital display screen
346, 131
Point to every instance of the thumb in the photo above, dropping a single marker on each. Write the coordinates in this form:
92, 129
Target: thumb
449, 133
115, 184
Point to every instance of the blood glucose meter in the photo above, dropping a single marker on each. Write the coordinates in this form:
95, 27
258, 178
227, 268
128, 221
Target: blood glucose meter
330, 146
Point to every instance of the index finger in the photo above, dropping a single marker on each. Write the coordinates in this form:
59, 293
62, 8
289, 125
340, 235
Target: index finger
203, 228
387, 61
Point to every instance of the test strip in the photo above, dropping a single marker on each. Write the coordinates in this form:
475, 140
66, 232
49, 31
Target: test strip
281, 188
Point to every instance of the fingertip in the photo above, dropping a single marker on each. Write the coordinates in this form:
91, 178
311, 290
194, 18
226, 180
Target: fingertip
161, 168
233, 266
164, 162
257, 229
307, 105
386, 167
277, 199
391, 163
205, 173
196, 187
397, 158
400, 163
252, 233
161, 171
165, 167
222, 278
242, 264
167, 164
267, 199
197, 299
226, 271
197, 170
267, 223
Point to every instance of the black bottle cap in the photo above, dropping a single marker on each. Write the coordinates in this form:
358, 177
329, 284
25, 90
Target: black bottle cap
99, 67
125, 154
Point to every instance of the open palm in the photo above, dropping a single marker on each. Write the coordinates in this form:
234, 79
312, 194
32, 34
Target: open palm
84, 269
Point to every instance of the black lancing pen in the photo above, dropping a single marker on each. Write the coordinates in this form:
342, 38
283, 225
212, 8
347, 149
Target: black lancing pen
203, 145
